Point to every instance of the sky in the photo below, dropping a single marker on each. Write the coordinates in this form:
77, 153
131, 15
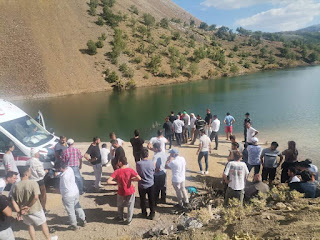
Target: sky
263, 15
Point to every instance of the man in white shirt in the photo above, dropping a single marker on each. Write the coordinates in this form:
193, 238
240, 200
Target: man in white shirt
37, 174
203, 151
159, 139
70, 196
9, 162
178, 166
177, 126
235, 175
105, 154
215, 126
251, 132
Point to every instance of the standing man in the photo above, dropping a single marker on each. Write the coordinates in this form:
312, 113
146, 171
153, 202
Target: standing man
200, 124
168, 131
145, 169
59, 149
25, 200
172, 117
235, 175
251, 133
159, 139
137, 145
185, 128
70, 196
113, 136
215, 126
6, 232
123, 177
73, 159
37, 174
203, 151
93, 155
118, 154
160, 175
177, 126
246, 119
269, 162
228, 121
254, 153
8, 160
11, 178
178, 166
192, 125
208, 120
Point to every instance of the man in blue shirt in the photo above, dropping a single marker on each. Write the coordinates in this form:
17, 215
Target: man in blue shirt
145, 169
228, 121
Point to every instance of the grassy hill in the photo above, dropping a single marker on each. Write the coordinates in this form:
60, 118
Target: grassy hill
44, 47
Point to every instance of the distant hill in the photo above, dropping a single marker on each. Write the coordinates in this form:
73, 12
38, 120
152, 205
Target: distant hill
314, 28
44, 47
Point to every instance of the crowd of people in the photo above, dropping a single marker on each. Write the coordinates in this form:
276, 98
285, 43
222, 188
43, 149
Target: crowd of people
27, 188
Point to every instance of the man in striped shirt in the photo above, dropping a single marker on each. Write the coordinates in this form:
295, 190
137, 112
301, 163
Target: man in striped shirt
73, 158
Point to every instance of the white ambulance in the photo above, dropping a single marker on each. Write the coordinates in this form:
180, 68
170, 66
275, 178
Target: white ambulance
26, 133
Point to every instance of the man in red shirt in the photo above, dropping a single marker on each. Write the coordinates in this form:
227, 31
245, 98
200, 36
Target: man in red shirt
123, 177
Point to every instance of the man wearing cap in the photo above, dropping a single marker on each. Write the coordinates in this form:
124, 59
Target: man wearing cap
178, 166
254, 153
73, 158
215, 126
37, 174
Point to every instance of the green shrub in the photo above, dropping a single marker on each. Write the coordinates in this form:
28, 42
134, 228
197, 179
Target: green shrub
164, 23
112, 78
137, 60
107, 72
92, 11
182, 62
134, 9
130, 85
146, 76
148, 20
108, 3
204, 26
155, 64
234, 68
176, 36
92, 48
193, 69
99, 44
94, 3
129, 53
111, 19
247, 65
176, 20
191, 43
100, 21
103, 37
119, 86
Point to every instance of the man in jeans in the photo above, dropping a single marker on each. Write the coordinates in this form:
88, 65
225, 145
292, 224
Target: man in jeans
203, 151
145, 169
93, 155
200, 124
70, 196
123, 177
215, 126
177, 126
178, 166
160, 175
73, 158
235, 175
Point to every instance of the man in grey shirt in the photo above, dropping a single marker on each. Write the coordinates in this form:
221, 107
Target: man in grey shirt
269, 161
59, 149
160, 175
145, 168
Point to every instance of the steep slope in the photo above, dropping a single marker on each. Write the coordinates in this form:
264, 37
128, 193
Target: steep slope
41, 42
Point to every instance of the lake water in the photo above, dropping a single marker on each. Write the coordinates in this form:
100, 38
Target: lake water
284, 105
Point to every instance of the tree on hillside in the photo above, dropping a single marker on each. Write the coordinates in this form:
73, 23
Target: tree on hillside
182, 62
243, 31
204, 26
142, 30
92, 48
313, 57
109, 3
148, 20
155, 64
263, 52
94, 3
134, 9
212, 27
164, 23
199, 53
111, 18
192, 23
193, 69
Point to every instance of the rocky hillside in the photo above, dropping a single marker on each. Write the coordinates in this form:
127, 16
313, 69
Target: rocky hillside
45, 47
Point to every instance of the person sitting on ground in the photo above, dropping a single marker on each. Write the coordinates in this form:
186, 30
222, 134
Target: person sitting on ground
254, 153
70, 196
235, 175
252, 189
269, 162
159, 139
25, 201
292, 173
37, 174
137, 145
178, 166
123, 176
10, 178
203, 151
306, 186
313, 168
160, 175
145, 169
105, 154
